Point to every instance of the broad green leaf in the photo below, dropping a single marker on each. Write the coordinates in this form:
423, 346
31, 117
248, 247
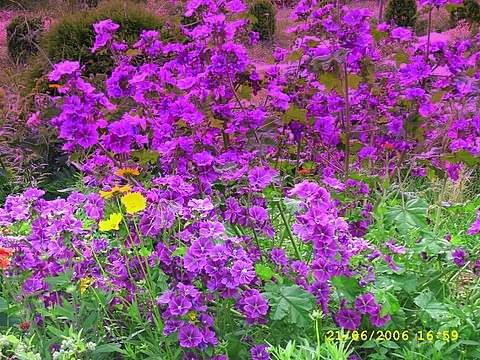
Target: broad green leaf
245, 92
401, 58
290, 303
463, 157
3, 305
180, 251
354, 81
331, 81
295, 55
146, 156
60, 281
389, 302
264, 272
409, 216
294, 113
347, 286
427, 302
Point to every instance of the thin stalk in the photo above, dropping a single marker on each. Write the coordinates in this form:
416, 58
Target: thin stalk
429, 31
289, 232
347, 120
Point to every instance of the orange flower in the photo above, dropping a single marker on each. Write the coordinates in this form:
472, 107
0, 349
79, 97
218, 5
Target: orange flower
127, 171
304, 172
116, 190
388, 146
5, 257
54, 86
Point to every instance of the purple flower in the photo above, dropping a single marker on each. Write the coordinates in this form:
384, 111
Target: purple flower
348, 319
104, 31
260, 177
179, 305
254, 305
64, 68
189, 336
203, 158
259, 352
279, 257
475, 227
243, 272
459, 257
366, 304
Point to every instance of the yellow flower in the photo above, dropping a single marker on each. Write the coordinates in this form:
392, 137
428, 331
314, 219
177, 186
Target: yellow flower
192, 315
134, 202
127, 171
85, 284
116, 190
112, 223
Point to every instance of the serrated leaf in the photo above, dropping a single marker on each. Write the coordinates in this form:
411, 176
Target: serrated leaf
264, 272
180, 251
409, 216
389, 302
347, 286
60, 281
295, 55
294, 113
331, 81
290, 303
245, 92
146, 156
354, 81
401, 58
427, 302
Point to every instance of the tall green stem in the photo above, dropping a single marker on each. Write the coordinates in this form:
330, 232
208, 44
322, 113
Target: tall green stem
289, 232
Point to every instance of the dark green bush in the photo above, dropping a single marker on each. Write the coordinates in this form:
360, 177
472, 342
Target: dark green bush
72, 38
263, 14
402, 12
469, 11
23, 37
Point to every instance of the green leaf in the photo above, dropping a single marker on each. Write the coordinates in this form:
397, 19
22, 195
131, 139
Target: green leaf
180, 251
290, 303
401, 58
462, 157
245, 92
294, 113
295, 55
145, 252
347, 286
146, 156
389, 302
3, 305
60, 281
264, 272
354, 81
437, 96
413, 214
331, 81
108, 348
427, 302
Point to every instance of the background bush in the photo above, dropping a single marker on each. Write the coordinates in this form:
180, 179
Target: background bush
469, 11
263, 13
72, 38
23, 37
402, 12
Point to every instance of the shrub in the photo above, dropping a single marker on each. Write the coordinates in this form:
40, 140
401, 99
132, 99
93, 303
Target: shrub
73, 36
469, 10
402, 12
23, 37
263, 13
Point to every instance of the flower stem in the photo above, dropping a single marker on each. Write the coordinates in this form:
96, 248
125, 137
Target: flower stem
289, 232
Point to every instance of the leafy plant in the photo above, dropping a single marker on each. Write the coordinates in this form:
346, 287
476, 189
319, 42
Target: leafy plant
263, 15
23, 37
402, 12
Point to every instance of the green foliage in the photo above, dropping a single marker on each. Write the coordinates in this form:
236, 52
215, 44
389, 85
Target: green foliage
412, 214
73, 36
402, 12
263, 14
469, 11
289, 303
23, 37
